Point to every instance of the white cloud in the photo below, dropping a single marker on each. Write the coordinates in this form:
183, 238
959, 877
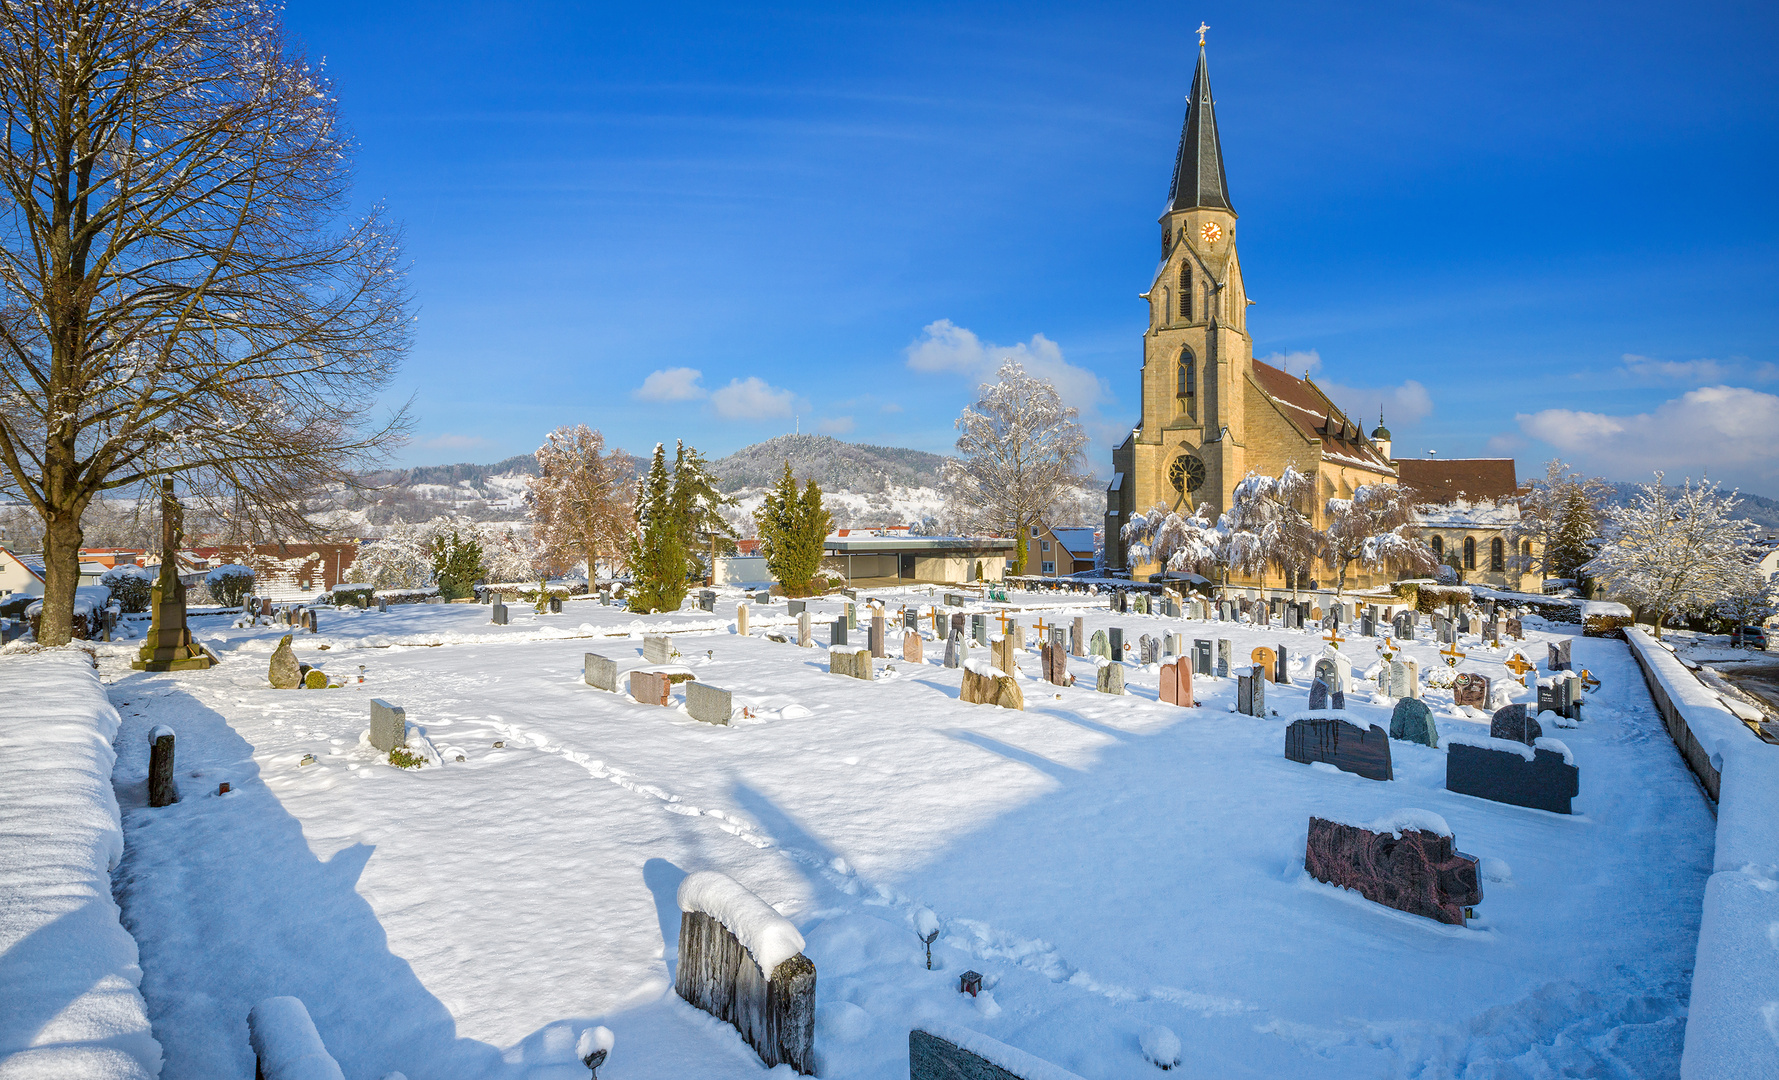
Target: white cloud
1404, 405
1300, 363
835, 425
1647, 369
946, 348
1726, 430
753, 398
891, 407
671, 384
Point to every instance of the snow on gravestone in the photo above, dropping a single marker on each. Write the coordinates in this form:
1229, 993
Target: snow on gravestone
600, 671
708, 703
743, 962
1404, 861
983, 684
940, 1051
1559, 655
389, 725
1542, 776
1315, 737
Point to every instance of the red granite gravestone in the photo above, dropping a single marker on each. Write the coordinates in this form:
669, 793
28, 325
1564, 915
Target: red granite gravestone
1056, 662
1176, 683
1471, 689
650, 687
1343, 745
1414, 871
913, 649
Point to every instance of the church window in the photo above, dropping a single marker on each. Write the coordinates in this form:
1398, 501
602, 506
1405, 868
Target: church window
1470, 553
1438, 546
1497, 555
1525, 549
1186, 384
1185, 291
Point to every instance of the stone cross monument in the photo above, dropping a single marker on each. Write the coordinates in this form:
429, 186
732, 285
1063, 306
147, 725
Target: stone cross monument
169, 646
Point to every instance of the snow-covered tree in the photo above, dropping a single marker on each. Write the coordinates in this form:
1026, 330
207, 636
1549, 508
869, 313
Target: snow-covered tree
1265, 525
1376, 529
699, 505
1018, 452
658, 548
580, 500
509, 554
1676, 555
792, 528
1751, 600
1562, 518
401, 558
1191, 544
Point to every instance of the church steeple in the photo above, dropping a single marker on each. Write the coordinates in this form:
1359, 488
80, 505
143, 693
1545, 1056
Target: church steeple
1198, 169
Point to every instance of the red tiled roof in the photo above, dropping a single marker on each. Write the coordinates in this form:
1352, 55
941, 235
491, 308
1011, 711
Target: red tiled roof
1315, 417
1442, 480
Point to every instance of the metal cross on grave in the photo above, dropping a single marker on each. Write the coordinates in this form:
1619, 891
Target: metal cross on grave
1333, 637
1518, 664
1588, 681
1042, 629
1005, 619
1452, 654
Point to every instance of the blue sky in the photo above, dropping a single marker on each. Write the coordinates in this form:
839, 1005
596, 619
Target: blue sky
1530, 230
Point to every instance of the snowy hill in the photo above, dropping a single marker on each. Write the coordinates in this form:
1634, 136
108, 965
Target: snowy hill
1764, 512
834, 465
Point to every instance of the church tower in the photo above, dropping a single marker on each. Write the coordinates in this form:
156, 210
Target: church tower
1197, 357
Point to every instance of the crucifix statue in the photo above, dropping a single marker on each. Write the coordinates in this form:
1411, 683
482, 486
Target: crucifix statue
169, 646
1202, 27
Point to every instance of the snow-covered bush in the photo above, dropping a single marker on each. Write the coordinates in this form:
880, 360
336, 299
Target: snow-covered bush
131, 586
229, 584
357, 595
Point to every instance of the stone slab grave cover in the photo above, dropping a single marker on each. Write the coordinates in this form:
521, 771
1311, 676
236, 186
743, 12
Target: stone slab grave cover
850, 660
389, 725
1345, 746
1471, 689
940, 1051
1403, 867
657, 648
1176, 683
913, 649
742, 962
1109, 679
1100, 645
1078, 637
1250, 692
985, 685
954, 648
600, 672
1265, 660
1559, 655
709, 703
651, 687
1225, 657
1541, 776
1516, 724
1412, 722
1201, 656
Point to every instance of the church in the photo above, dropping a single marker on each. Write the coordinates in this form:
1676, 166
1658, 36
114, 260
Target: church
1211, 413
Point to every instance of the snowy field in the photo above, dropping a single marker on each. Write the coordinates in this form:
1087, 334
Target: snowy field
1107, 863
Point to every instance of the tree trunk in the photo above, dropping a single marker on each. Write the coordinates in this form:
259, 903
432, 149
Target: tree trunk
62, 538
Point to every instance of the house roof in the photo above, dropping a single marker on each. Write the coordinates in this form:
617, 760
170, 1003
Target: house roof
1074, 538
1198, 166
1315, 417
1443, 480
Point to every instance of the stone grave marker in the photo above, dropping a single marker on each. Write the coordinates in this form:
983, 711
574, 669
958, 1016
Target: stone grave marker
984, 685
499, 616
1513, 722
954, 648
285, 672
1281, 672
913, 650
979, 627
1410, 869
852, 615
1002, 648
837, 635
1099, 645
382, 605
936, 1051
1225, 657
1056, 663
1266, 660
1367, 626
1250, 692
600, 672
1541, 777
707, 600
1515, 630
850, 594
874, 636
657, 648
796, 607
1148, 650
1115, 638
389, 725
1263, 614
1201, 656
1078, 637
1176, 683
805, 629
1404, 626
708, 703
1110, 678
851, 661
1412, 721
960, 623
1332, 688
774, 1010
1345, 746
651, 687
741, 619
1471, 689
1559, 656
911, 618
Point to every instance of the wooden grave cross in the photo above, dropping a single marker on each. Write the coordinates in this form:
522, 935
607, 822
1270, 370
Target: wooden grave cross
1333, 637
1452, 653
1588, 681
1002, 615
1518, 664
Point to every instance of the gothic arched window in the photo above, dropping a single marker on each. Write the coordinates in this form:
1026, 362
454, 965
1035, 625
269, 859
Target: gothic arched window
1497, 555
1438, 546
1185, 291
1470, 553
1186, 385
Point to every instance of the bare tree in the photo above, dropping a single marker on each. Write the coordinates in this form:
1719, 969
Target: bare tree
1375, 528
177, 293
1019, 449
581, 499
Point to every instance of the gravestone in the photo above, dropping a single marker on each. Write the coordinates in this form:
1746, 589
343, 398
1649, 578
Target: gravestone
286, 672
1515, 630
1266, 660
1404, 679
911, 618
1491, 631
741, 619
979, 628
1345, 746
1250, 692
1263, 614
1559, 655
708, 703
805, 629
1176, 683
1540, 777
940, 1054
1367, 626
852, 616
1328, 676
1002, 649
1442, 630
1410, 869
1078, 637
1201, 656
984, 685
851, 661
837, 635
1099, 645
1225, 657
656, 648
1412, 721
1515, 723
1471, 689
1110, 678
1115, 638
1281, 672
874, 636
1056, 663
499, 615
1464, 622
796, 607
389, 725
1142, 603
913, 651
1148, 650
313, 620
707, 600
960, 623
850, 594
382, 605
1404, 626
599, 671
1319, 696
954, 648
651, 687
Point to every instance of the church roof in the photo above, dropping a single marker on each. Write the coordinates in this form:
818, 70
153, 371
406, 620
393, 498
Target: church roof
1198, 168
1442, 480
1315, 417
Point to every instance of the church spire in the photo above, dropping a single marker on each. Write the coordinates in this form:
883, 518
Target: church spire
1198, 170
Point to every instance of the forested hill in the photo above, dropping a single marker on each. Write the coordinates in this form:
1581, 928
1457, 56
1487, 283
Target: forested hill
832, 464
1764, 512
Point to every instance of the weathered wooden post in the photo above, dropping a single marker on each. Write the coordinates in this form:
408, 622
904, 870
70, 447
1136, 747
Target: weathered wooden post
161, 791
286, 1045
743, 962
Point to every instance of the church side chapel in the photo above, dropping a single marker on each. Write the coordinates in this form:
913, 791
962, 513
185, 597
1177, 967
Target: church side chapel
1211, 413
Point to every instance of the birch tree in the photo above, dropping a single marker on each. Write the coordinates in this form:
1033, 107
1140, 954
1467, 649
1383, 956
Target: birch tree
1376, 529
580, 501
1266, 527
178, 295
1018, 453
1673, 555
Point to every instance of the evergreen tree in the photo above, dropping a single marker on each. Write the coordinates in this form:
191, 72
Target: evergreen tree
658, 560
456, 564
792, 527
698, 508
1561, 516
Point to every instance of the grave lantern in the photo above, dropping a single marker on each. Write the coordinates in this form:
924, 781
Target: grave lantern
970, 983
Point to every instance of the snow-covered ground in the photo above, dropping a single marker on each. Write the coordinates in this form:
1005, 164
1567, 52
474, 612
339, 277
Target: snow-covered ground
1109, 864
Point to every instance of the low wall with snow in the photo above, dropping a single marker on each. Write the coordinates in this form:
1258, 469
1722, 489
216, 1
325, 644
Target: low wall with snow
1732, 1027
69, 999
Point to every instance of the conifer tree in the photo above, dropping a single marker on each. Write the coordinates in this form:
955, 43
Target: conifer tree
658, 551
1561, 515
698, 507
456, 563
792, 527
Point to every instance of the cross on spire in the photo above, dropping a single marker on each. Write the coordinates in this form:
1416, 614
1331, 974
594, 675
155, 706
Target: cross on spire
1202, 27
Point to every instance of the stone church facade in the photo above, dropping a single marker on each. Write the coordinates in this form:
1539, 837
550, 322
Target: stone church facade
1210, 412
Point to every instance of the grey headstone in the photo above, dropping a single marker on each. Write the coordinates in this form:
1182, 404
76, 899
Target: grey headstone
498, 615
1110, 679
837, 636
1099, 645
1412, 721
1115, 639
954, 649
805, 629
600, 671
796, 607
389, 725
1201, 656
1514, 722
708, 703
979, 628
1250, 692
1225, 657
657, 648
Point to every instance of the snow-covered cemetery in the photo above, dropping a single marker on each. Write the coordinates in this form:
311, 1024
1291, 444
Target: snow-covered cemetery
1221, 737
